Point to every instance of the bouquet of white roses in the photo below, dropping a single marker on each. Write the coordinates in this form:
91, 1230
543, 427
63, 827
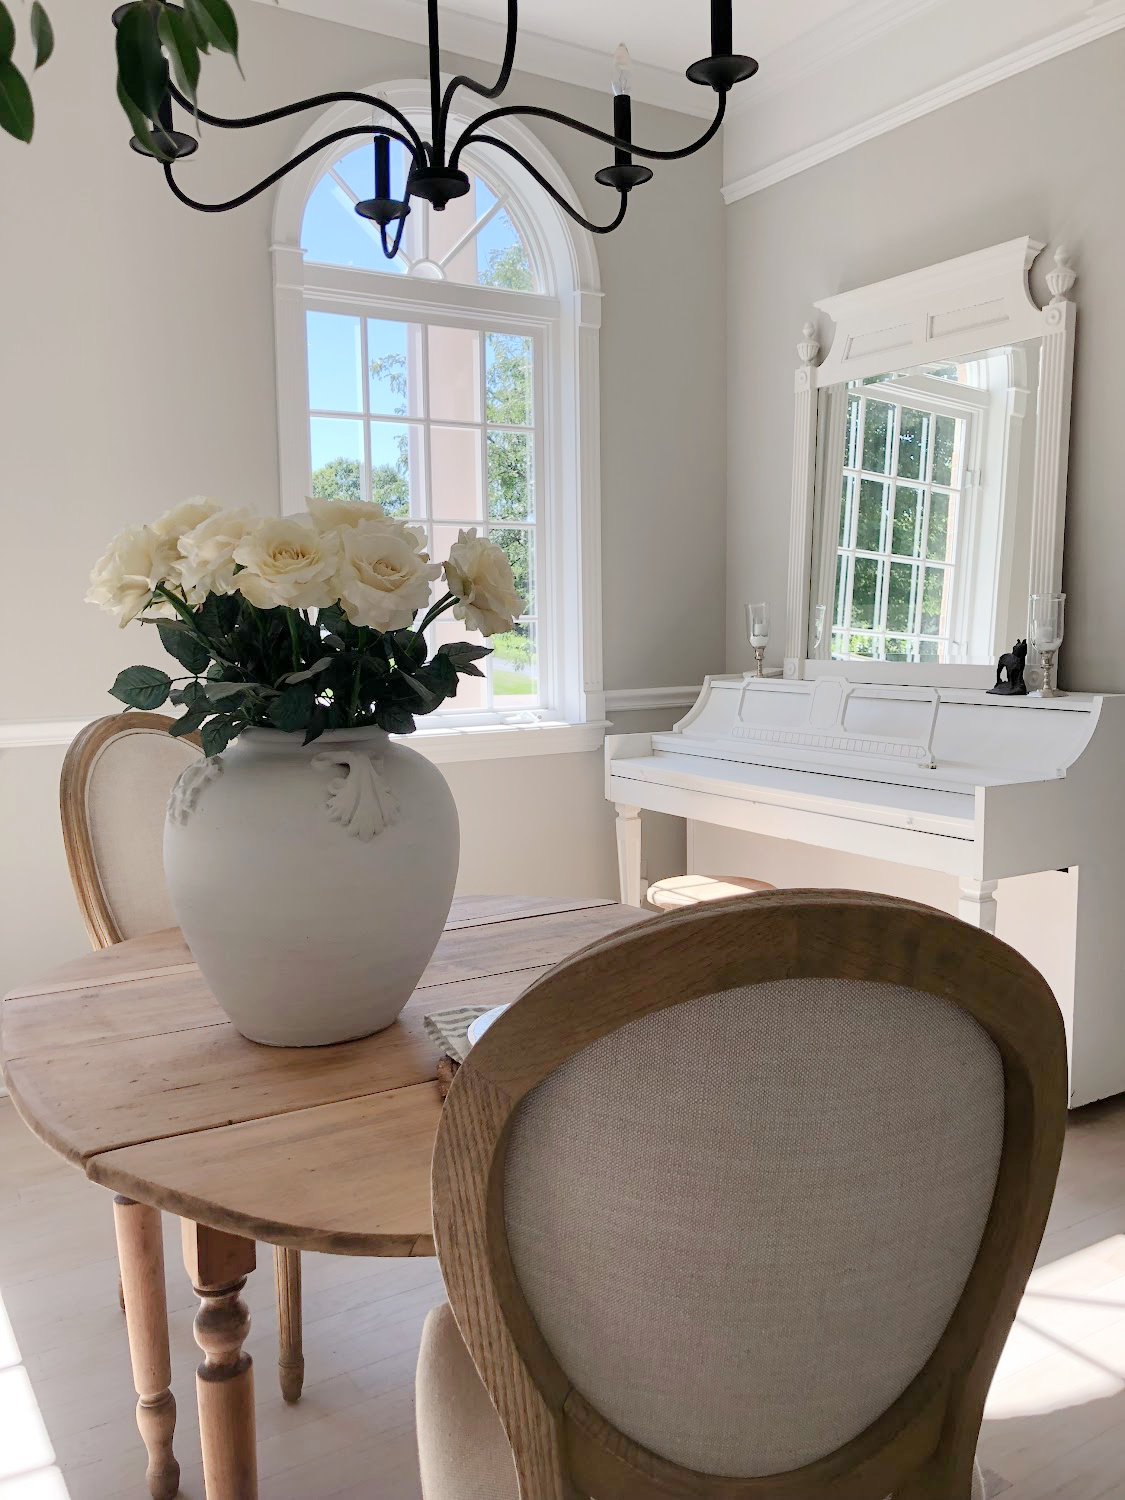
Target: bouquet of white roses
303, 623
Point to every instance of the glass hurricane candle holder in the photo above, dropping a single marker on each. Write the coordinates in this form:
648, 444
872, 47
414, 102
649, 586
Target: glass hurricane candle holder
758, 634
1045, 635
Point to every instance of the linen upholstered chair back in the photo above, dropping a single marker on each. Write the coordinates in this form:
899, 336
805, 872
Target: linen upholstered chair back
116, 780
740, 1203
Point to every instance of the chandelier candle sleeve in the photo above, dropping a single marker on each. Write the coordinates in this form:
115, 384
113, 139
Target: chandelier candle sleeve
722, 28
622, 104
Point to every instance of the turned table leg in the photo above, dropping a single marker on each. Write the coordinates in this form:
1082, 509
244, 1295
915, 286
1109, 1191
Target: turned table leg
140, 1251
218, 1264
290, 1351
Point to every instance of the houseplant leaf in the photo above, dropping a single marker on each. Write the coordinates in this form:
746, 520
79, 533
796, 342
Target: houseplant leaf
180, 641
17, 113
42, 34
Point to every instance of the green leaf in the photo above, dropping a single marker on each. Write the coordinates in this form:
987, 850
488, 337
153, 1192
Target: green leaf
429, 699
215, 22
183, 53
189, 722
219, 614
142, 687
142, 129
314, 671
462, 652
218, 692
42, 34
190, 693
7, 33
293, 708
393, 719
180, 641
218, 733
142, 71
17, 113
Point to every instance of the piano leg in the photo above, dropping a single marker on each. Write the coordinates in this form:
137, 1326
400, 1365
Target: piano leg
629, 853
977, 904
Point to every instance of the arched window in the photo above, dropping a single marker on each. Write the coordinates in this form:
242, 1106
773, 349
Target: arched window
453, 385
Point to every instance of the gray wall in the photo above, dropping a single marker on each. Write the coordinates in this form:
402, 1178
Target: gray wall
1039, 154
137, 368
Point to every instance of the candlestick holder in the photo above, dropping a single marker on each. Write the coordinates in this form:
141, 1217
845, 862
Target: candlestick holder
1045, 617
758, 634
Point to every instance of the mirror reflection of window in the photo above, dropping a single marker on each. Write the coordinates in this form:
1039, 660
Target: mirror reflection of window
903, 477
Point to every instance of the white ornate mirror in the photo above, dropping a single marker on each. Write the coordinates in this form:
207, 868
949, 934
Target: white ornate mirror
930, 462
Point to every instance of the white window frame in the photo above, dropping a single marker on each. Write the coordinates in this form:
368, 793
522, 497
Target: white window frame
564, 320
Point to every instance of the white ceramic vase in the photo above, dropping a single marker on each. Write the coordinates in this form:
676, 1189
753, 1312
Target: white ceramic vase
312, 882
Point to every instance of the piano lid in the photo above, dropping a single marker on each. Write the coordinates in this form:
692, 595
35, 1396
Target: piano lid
915, 736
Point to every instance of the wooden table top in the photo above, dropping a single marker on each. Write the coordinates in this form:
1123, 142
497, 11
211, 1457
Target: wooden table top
124, 1064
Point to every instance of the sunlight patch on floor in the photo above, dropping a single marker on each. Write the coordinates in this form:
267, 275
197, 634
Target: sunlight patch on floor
1067, 1347
27, 1459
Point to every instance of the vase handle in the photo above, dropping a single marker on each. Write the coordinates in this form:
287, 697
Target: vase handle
360, 800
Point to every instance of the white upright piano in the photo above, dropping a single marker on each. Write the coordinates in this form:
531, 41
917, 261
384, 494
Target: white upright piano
950, 780
928, 503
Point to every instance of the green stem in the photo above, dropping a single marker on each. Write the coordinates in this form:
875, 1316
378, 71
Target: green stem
438, 609
294, 639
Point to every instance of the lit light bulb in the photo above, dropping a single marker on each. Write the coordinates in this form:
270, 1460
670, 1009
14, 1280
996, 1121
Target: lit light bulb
622, 70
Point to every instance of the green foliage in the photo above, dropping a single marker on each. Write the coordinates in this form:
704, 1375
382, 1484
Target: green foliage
340, 479
286, 669
508, 268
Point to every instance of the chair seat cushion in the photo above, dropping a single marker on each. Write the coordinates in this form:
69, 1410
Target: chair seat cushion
462, 1451
691, 890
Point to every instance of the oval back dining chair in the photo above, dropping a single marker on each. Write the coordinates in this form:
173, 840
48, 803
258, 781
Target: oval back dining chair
116, 780
739, 1205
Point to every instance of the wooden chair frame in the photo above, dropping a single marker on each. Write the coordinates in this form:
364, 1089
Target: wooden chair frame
923, 1446
81, 757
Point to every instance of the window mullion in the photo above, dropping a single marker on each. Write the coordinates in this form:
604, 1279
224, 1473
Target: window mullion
365, 406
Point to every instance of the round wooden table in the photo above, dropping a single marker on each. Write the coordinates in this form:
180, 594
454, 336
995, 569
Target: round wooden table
123, 1063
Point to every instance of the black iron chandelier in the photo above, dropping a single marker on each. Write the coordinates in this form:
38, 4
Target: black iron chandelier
434, 173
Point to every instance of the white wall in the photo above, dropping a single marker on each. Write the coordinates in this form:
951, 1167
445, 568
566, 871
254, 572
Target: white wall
1038, 154
136, 368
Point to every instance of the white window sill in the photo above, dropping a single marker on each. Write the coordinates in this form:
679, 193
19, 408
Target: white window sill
446, 746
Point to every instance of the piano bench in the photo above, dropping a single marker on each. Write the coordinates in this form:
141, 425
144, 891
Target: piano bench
690, 890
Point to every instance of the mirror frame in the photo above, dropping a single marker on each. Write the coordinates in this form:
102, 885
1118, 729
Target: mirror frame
957, 308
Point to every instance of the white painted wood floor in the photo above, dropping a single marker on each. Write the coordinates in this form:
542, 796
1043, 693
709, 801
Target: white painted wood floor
1055, 1427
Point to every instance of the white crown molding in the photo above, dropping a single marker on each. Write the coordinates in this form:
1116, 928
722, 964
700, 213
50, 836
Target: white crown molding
1099, 21
831, 41
472, 36
628, 700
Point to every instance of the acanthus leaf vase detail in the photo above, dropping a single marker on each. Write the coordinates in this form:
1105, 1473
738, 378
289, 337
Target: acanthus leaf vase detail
312, 882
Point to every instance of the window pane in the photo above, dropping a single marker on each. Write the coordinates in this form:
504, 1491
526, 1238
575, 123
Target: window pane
938, 537
851, 439
897, 649
877, 428
933, 601
390, 466
337, 458
394, 385
519, 544
908, 517
847, 511
913, 443
864, 587
839, 613
873, 501
900, 596
515, 666
945, 441
508, 377
501, 257
455, 474
333, 233
454, 371
511, 486
335, 383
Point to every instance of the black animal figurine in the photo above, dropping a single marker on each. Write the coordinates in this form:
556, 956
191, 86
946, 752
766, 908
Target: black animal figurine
1013, 663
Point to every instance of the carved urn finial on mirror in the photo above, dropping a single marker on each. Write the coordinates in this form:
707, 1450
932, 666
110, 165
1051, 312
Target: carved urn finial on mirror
930, 471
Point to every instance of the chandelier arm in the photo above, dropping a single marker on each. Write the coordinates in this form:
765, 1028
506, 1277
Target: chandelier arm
490, 140
246, 122
463, 81
536, 111
268, 182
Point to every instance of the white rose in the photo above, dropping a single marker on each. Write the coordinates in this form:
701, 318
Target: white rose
125, 576
479, 573
342, 515
207, 553
285, 562
185, 517
331, 515
383, 579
